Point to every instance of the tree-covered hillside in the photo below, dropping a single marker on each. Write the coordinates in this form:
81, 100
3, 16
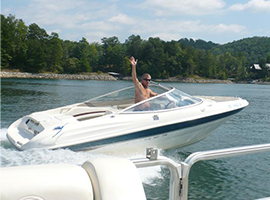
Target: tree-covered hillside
198, 44
255, 49
32, 49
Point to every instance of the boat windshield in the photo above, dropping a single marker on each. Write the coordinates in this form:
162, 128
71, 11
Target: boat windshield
169, 100
122, 98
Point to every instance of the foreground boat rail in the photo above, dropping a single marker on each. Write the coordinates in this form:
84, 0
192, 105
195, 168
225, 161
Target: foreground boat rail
175, 172
179, 173
106, 178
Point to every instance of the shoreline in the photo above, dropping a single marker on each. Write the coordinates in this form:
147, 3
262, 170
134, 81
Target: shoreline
107, 77
195, 80
94, 76
189, 80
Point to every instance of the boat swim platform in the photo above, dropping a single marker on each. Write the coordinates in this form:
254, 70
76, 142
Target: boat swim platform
107, 178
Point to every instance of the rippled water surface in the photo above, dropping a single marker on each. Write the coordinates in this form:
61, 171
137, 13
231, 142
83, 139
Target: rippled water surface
238, 178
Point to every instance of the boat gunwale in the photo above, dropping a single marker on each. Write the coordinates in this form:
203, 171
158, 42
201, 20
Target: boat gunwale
140, 134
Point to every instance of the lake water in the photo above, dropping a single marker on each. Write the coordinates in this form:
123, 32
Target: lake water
239, 178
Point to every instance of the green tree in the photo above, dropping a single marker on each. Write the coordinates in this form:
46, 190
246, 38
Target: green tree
13, 42
207, 64
21, 45
153, 59
134, 46
71, 65
126, 67
174, 58
113, 54
55, 54
7, 34
36, 57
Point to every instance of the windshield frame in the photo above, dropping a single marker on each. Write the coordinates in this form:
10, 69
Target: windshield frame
126, 110
178, 98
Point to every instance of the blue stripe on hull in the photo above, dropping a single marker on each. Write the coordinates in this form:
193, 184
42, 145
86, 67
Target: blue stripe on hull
151, 132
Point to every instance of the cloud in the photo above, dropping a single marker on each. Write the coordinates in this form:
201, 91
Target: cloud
174, 27
68, 16
232, 28
95, 30
55, 31
180, 7
122, 19
100, 26
167, 36
64, 14
96, 36
253, 6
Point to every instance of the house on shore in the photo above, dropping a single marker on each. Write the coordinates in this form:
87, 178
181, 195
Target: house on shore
267, 66
255, 67
259, 71
115, 75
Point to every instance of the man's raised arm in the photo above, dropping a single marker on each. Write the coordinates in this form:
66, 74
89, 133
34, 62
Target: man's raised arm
134, 74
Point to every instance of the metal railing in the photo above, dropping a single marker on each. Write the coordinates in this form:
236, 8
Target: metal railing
179, 172
152, 159
215, 154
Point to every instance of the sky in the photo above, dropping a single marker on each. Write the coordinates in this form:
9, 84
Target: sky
218, 21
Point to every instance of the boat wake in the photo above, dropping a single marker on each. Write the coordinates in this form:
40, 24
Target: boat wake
4, 143
3, 132
12, 157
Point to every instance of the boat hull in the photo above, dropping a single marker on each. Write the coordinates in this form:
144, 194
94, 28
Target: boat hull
169, 137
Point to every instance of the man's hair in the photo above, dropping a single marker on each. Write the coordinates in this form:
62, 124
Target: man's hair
145, 75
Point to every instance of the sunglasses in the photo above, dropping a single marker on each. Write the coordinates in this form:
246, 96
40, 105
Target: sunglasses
146, 79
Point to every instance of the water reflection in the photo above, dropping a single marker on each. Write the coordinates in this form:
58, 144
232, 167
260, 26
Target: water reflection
12, 92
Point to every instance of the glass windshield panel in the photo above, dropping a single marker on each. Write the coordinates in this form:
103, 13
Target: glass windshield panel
120, 97
114, 98
158, 89
174, 99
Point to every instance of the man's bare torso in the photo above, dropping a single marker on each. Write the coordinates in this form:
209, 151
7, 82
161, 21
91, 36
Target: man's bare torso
141, 93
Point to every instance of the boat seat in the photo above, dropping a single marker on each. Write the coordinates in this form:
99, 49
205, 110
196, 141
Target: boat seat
114, 178
50, 182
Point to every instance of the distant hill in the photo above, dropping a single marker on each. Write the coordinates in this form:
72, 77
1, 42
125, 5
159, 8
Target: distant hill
255, 49
198, 44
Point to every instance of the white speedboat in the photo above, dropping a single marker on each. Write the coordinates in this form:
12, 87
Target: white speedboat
113, 121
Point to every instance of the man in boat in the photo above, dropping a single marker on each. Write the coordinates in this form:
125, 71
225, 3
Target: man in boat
142, 91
